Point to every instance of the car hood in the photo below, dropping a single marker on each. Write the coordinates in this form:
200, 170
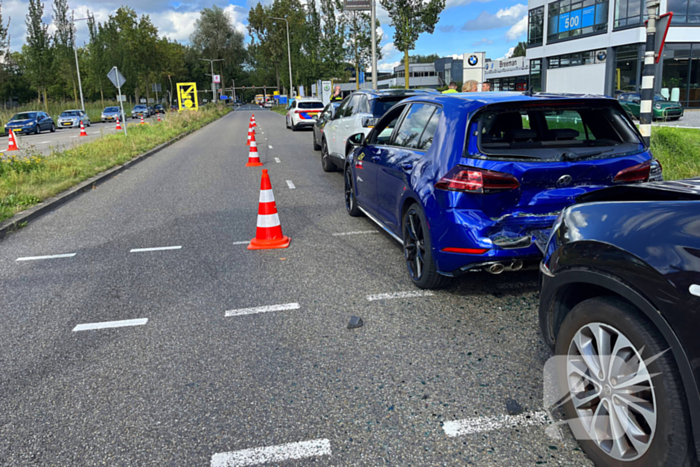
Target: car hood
665, 104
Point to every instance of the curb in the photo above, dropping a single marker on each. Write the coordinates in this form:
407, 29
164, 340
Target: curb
12, 224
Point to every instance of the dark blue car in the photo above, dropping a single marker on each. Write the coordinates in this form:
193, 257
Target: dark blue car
465, 181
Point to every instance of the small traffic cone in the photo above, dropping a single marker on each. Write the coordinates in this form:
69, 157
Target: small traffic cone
12, 141
82, 129
268, 234
159, 116
142, 123
253, 159
251, 132
119, 125
252, 120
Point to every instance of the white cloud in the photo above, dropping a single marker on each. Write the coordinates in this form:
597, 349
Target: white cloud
518, 29
508, 54
389, 67
454, 3
174, 25
503, 17
457, 57
388, 50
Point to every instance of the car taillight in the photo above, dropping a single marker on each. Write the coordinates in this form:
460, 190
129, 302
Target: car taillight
473, 180
634, 174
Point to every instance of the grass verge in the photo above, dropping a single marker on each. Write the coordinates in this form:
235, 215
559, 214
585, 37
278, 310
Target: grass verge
678, 150
280, 109
26, 182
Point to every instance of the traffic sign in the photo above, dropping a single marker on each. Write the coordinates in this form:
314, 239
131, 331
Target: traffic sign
116, 77
187, 96
217, 79
156, 87
662, 25
357, 5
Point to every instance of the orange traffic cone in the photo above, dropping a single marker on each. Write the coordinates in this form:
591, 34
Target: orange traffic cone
159, 116
119, 125
252, 120
268, 234
251, 132
12, 141
142, 119
82, 129
253, 159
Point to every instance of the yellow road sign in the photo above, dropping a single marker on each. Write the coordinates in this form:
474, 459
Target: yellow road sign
187, 96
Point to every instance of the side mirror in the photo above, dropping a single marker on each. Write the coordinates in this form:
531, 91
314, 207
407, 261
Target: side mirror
636, 101
369, 122
358, 139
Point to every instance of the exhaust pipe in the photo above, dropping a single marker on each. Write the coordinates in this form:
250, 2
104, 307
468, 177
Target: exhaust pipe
517, 265
495, 268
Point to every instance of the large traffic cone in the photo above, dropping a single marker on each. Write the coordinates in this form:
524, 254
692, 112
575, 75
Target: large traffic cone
119, 125
142, 123
82, 129
12, 141
268, 235
253, 159
251, 132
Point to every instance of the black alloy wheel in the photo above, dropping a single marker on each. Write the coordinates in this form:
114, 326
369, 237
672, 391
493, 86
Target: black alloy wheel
350, 200
417, 250
326, 163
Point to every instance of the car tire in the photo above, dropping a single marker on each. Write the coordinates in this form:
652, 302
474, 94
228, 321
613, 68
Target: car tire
317, 147
53, 128
326, 163
610, 319
417, 246
294, 127
37, 129
286, 122
350, 199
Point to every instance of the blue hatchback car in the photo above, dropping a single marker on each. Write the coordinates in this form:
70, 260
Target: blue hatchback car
466, 182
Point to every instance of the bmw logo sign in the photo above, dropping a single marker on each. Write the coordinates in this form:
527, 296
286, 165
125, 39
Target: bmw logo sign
473, 60
602, 55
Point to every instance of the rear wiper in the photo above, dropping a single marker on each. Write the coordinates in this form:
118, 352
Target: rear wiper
572, 156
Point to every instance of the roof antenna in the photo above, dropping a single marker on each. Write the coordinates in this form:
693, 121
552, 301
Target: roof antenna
530, 91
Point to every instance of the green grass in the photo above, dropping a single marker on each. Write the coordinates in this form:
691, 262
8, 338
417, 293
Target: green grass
678, 150
280, 109
26, 182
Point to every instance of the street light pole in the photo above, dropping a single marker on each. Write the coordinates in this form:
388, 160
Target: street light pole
213, 86
289, 57
77, 66
374, 45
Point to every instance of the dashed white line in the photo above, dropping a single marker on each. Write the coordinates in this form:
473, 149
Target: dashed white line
262, 309
277, 159
242, 243
269, 146
34, 258
388, 296
470, 426
281, 453
110, 324
290, 184
159, 248
359, 232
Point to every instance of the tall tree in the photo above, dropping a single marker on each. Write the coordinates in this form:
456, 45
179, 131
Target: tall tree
332, 39
37, 52
359, 42
64, 43
410, 19
520, 50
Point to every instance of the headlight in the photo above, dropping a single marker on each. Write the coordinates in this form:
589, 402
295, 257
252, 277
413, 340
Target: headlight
657, 106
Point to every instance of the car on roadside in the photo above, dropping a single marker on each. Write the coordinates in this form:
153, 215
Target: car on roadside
30, 122
151, 111
620, 289
662, 108
357, 113
174, 108
464, 181
159, 109
110, 114
72, 119
325, 116
303, 112
140, 110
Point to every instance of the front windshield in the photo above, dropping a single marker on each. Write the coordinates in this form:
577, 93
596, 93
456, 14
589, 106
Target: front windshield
659, 97
71, 113
25, 116
140, 107
112, 109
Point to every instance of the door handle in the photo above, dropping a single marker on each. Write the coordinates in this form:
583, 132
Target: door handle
376, 158
407, 166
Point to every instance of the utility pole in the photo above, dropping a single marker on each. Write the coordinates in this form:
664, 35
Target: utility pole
374, 45
233, 88
213, 86
645, 112
290, 95
77, 66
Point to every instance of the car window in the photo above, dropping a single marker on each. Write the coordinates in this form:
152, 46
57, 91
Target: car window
340, 111
310, 105
426, 138
384, 130
411, 128
351, 106
364, 105
382, 105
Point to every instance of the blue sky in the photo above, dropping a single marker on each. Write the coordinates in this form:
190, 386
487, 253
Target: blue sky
465, 26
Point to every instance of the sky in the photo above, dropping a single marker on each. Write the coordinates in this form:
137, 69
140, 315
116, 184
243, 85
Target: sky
465, 26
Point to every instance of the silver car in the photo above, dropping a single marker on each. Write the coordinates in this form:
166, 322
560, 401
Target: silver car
110, 114
72, 118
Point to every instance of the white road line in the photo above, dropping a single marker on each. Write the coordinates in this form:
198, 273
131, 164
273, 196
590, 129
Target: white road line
46, 142
262, 309
242, 243
269, 146
110, 324
277, 159
33, 258
359, 232
160, 248
470, 426
290, 185
264, 455
387, 296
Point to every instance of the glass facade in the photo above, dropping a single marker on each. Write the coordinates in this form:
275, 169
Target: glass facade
535, 27
575, 59
570, 19
628, 68
536, 75
680, 79
515, 83
685, 11
630, 13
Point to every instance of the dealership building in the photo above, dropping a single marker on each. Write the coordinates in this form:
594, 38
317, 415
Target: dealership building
597, 46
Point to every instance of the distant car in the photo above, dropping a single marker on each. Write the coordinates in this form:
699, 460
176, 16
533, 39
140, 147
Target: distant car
620, 292
174, 108
159, 109
151, 111
30, 122
303, 113
662, 108
140, 110
321, 121
110, 114
72, 119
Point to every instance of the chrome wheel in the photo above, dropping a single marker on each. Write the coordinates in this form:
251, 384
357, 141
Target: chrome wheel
612, 391
414, 244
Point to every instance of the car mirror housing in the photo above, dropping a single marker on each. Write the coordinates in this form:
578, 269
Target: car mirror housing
369, 122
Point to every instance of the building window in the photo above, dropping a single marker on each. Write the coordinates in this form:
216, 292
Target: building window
627, 68
536, 75
535, 27
684, 11
567, 60
630, 13
570, 19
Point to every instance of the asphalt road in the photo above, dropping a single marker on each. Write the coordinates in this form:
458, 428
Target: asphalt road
423, 383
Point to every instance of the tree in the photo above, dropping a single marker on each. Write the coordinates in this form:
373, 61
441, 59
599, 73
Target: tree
423, 58
520, 50
411, 18
359, 42
37, 53
332, 39
64, 43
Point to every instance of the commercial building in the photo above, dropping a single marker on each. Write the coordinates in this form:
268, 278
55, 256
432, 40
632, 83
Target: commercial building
511, 74
597, 46
448, 69
421, 75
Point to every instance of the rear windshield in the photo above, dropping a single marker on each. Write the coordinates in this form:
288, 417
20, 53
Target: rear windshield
71, 113
561, 132
310, 105
384, 104
112, 109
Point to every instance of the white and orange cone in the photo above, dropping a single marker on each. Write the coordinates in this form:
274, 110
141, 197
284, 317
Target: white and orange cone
12, 141
268, 234
253, 158
82, 129
251, 133
252, 120
119, 125
142, 123
159, 116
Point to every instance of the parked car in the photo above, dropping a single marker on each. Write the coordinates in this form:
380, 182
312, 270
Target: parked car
110, 114
320, 123
463, 180
151, 111
620, 287
30, 122
662, 108
303, 113
72, 119
159, 109
174, 108
140, 110
357, 113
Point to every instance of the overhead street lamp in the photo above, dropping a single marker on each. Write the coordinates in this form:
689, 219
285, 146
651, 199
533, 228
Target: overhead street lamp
77, 66
213, 86
290, 94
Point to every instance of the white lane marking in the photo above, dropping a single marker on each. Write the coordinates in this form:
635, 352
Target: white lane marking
159, 248
264, 455
387, 296
470, 426
46, 142
290, 185
277, 159
269, 146
242, 243
110, 324
695, 290
262, 309
359, 232
33, 258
